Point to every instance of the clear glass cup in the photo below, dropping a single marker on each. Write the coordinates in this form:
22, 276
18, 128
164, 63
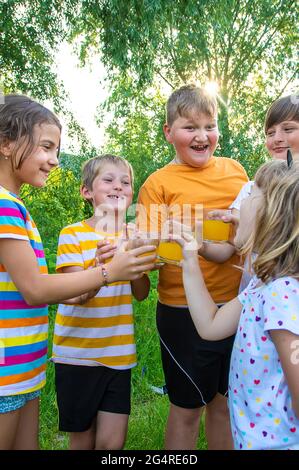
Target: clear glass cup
214, 229
137, 239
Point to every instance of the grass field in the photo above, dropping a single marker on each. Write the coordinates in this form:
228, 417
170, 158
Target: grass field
149, 409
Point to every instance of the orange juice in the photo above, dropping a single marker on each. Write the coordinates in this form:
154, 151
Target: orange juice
170, 252
215, 231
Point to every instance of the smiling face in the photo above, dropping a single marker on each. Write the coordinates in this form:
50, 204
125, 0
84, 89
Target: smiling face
248, 211
111, 189
282, 136
194, 138
36, 167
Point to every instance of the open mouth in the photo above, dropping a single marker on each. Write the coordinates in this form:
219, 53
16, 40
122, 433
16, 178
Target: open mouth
199, 148
113, 196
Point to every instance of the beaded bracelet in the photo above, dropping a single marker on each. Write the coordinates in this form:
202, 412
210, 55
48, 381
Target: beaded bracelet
105, 275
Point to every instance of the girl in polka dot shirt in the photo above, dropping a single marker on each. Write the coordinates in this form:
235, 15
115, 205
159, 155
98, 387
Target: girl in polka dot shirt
264, 370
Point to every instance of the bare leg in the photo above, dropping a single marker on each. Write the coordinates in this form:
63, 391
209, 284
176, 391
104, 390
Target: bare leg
27, 432
84, 440
182, 428
111, 430
218, 431
8, 429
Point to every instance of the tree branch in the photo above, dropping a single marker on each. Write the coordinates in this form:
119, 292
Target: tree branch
165, 79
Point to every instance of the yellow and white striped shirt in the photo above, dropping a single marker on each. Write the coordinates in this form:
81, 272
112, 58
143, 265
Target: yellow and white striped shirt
101, 331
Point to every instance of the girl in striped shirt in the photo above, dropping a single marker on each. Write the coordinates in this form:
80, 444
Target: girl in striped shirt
29, 147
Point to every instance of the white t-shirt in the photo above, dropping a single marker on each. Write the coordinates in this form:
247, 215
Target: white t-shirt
243, 194
260, 402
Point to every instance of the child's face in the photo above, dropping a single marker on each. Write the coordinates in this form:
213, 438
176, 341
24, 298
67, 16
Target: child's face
248, 212
112, 188
282, 136
36, 167
194, 138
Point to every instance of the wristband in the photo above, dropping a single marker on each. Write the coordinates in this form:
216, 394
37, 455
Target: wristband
104, 275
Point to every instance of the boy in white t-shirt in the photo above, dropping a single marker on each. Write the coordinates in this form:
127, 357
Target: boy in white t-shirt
282, 134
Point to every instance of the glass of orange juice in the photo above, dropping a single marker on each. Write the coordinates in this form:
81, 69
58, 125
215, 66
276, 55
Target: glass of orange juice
143, 239
169, 252
214, 229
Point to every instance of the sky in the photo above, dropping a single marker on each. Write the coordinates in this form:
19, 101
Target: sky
86, 90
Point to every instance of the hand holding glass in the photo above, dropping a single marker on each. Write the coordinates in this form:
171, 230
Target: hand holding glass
214, 229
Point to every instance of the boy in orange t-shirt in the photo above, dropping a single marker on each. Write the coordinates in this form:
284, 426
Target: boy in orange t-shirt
196, 371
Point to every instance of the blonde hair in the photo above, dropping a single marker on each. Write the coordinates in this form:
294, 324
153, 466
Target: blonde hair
276, 235
190, 98
92, 168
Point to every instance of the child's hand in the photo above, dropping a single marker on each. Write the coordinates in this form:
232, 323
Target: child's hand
82, 299
105, 250
228, 219
183, 235
137, 238
128, 265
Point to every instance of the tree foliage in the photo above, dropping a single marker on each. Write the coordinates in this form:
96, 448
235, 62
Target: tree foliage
30, 32
249, 47
223, 40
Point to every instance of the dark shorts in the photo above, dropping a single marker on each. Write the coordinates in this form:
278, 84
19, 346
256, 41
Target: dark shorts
195, 369
82, 391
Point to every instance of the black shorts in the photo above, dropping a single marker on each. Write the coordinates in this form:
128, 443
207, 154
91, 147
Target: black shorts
82, 391
195, 369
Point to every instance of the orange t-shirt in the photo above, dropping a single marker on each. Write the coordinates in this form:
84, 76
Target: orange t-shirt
216, 185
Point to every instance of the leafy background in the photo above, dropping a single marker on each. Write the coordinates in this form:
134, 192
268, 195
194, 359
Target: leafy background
149, 47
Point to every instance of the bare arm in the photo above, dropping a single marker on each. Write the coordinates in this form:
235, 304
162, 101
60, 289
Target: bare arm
80, 299
20, 262
287, 345
211, 322
217, 252
141, 287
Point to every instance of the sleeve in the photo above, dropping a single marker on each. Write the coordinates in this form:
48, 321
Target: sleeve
12, 220
243, 194
151, 207
243, 295
69, 251
281, 305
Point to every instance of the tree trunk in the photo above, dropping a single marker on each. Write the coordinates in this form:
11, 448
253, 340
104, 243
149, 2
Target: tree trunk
225, 133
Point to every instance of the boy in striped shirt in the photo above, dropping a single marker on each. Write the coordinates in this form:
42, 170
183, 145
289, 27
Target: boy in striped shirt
94, 347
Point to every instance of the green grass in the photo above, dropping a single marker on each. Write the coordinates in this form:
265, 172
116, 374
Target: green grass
149, 409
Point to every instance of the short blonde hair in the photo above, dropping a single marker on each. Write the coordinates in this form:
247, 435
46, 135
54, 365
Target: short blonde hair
190, 98
93, 167
276, 237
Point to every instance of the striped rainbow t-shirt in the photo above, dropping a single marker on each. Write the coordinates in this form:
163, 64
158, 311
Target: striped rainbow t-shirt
101, 331
23, 328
